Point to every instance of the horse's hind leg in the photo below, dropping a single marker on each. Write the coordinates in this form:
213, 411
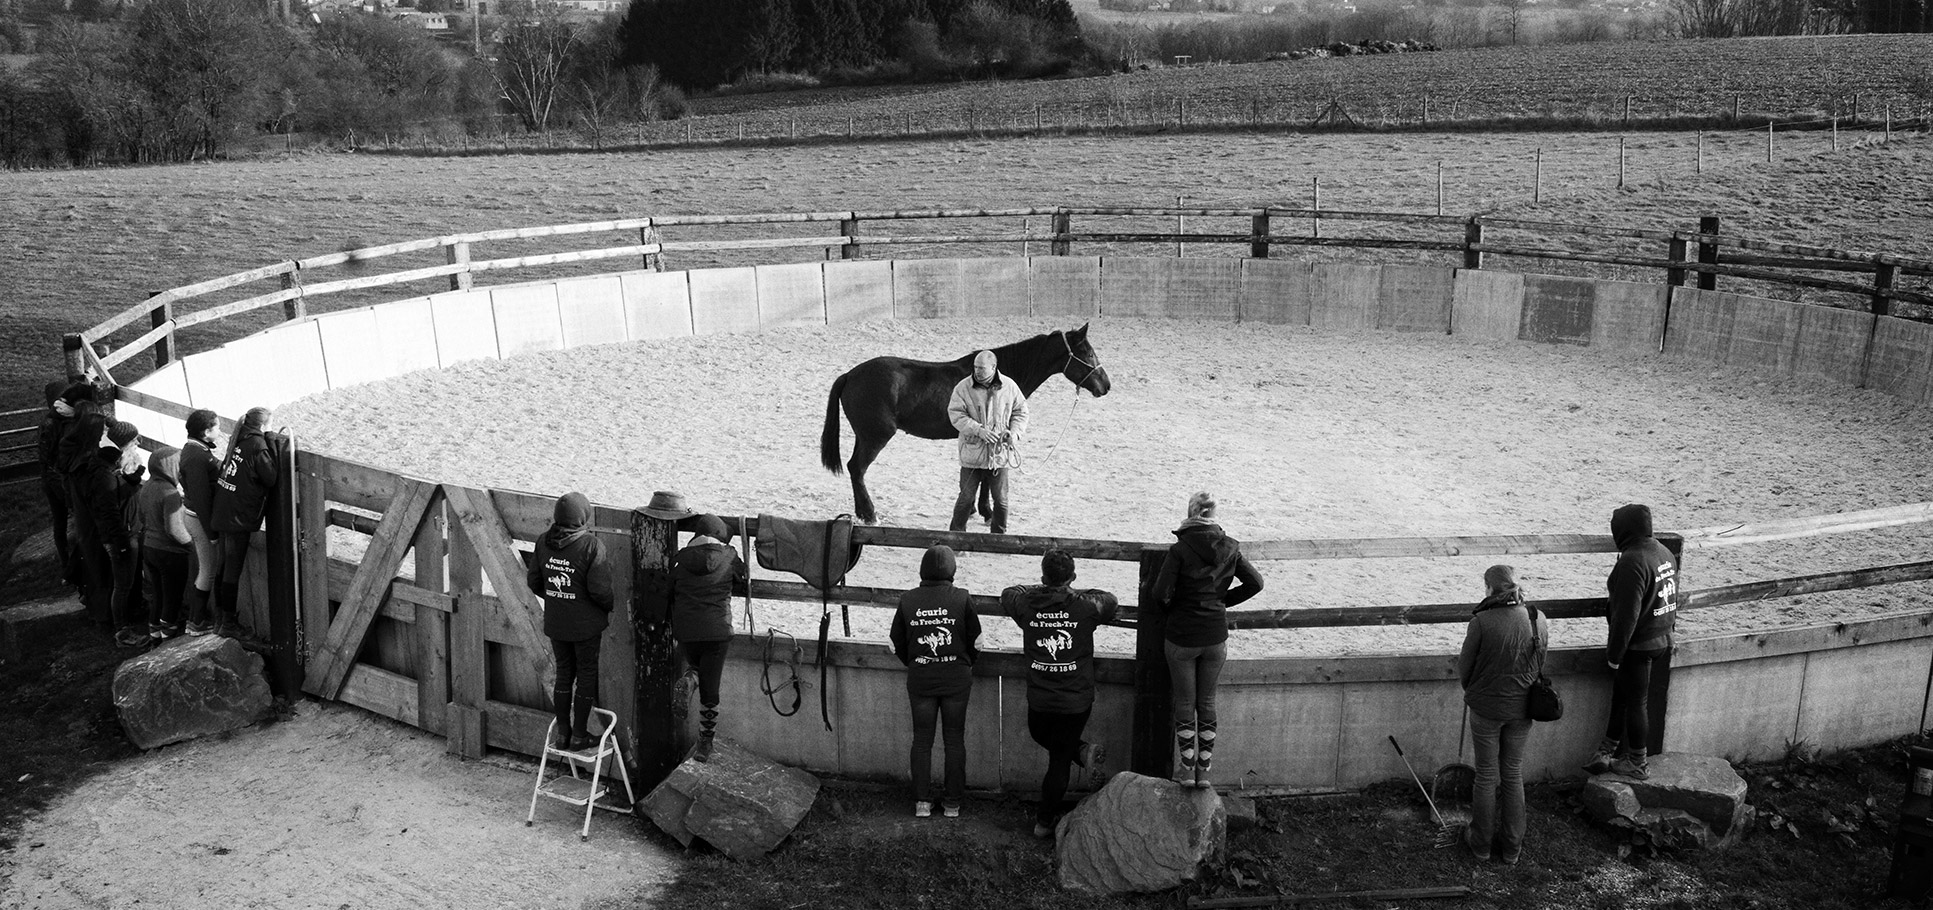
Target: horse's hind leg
865, 450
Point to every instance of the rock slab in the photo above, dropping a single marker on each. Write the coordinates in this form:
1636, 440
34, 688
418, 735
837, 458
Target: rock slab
189, 687
34, 627
740, 802
1694, 800
1140, 833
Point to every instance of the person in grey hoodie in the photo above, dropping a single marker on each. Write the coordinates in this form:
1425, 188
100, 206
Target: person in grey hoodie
1503, 651
936, 636
1643, 588
702, 578
572, 574
159, 521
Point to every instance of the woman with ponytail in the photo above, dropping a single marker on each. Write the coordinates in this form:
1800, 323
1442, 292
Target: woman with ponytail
1503, 651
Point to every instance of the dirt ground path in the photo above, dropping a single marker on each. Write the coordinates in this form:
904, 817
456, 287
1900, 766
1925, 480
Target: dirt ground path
332, 808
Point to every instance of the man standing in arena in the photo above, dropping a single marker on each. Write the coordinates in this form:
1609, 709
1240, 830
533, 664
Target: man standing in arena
991, 414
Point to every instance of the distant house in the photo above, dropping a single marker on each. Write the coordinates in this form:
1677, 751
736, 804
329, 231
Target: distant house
429, 22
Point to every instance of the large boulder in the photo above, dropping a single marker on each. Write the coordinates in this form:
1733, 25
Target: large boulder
740, 802
1140, 834
189, 687
1690, 800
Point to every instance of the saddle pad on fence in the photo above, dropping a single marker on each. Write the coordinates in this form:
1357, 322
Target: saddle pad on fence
818, 551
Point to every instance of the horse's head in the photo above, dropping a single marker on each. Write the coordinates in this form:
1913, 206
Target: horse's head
1083, 367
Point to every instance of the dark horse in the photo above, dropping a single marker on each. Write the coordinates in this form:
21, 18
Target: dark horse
888, 394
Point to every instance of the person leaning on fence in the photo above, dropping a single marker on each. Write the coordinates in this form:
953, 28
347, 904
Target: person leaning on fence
242, 488
199, 468
1057, 637
702, 576
1192, 595
990, 412
572, 573
159, 521
936, 635
102, 489
53, 484
1643, 587
1503, 652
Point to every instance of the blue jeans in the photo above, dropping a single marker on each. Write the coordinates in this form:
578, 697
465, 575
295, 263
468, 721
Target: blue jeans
1192, 675
971, 480
1499, 784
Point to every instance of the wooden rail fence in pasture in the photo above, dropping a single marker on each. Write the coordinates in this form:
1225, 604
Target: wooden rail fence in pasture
406, 595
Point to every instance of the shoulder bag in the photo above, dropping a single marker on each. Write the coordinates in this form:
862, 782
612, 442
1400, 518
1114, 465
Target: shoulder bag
1543, 703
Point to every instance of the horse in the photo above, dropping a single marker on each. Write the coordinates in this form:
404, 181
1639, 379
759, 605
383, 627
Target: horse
886, 395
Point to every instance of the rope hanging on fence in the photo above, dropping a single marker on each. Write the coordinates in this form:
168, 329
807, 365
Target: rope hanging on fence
796, 684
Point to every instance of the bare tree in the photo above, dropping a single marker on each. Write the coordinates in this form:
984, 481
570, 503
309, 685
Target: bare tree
535, 53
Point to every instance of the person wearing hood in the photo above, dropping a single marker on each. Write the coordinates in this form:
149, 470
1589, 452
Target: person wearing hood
159, 521
100, 489
702, 577
936, 636
53, 483
572, 573
1503, 652
242, 488
1057, 625
990, 412
1192, 595
1643, 588
199, 468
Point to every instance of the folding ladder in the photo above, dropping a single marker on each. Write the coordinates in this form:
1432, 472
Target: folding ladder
575, 789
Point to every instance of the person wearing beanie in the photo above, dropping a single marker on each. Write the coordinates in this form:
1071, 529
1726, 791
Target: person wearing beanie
703, 576
1503, 652
199, 468
1643, 587
242, 488
572, 573
53, 484
159, 523
1057, 625
1202, 576
936, 636
990, 412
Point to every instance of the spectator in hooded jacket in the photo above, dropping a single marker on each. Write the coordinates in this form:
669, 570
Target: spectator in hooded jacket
160, 522
242, 489
1057, 626
1192, 595
936, 636
1643, 588
100, 490
1503, 652
702, 576
990, 412
53, 484
199, 468
571, 572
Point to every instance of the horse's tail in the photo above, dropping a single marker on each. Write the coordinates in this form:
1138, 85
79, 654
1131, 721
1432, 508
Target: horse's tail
829, 440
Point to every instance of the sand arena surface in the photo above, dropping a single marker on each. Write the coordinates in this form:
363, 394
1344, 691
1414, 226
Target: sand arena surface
1298, 434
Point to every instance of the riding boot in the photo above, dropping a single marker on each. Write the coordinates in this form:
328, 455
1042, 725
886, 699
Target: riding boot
1204, 752
560, 704
1185, 750
707, 732
581, 721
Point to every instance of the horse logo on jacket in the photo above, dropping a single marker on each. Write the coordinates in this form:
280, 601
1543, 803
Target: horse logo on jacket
935, 640
1054, 644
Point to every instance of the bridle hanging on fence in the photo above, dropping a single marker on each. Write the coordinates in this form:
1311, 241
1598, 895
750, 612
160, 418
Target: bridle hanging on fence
796, 684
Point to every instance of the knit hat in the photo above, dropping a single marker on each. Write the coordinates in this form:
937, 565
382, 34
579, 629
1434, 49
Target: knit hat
77, 393
1056, 567
711, 526
200, 422
1201, 505
121, 433
939, 563
53, 391
573, 510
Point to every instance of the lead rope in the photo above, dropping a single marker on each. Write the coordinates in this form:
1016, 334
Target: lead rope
791, 665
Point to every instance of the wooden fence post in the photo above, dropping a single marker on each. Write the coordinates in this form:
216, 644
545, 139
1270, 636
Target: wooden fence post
459, 254
1472, 238
1708, 253
660, 726
284, 592
1675, 276
298, 306
850, 228
76, 359
469, 686
164, 347
647, 235
1152, 747
1063, 225
1883, 282
1258, 244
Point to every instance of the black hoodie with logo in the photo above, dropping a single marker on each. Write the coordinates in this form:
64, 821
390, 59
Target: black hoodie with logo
1643, 587
572, 574
935, 632
1057, 636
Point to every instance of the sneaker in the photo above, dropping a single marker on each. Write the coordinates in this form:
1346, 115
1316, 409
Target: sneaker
1043, 831
157, 631
1632, 767
1469, 840
1600, 762
1511, 859
198, 630
131, 637
950, 811
922, 809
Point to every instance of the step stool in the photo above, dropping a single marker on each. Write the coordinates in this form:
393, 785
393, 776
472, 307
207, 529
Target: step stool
573, 788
